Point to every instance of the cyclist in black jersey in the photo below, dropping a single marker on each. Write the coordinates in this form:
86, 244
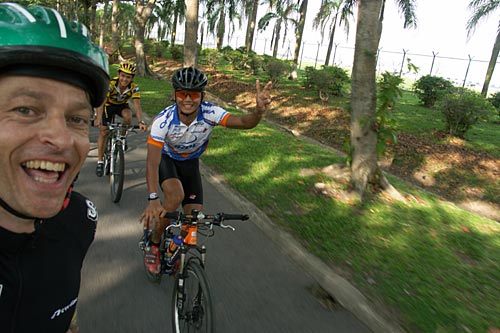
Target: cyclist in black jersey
51, 78
121, 90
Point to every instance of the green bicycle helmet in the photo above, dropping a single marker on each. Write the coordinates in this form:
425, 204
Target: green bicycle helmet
39, 41
189, 78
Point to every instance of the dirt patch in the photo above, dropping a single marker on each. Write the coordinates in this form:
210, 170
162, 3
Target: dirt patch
442, 165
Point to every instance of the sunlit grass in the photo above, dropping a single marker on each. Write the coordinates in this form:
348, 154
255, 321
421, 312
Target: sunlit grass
434, 264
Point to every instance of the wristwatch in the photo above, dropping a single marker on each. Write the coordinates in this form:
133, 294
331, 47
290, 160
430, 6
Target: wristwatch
142, 122
153, 196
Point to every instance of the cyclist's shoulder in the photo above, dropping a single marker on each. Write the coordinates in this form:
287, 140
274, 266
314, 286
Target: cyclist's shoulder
207, 106
80, 209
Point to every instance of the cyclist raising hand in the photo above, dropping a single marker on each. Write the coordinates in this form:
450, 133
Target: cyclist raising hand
179, 136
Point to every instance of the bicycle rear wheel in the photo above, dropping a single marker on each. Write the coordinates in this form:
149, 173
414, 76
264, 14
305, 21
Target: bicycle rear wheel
192, 304
117, 174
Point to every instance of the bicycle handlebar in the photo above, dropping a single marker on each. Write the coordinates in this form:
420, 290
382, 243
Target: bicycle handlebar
121, 125
197, 217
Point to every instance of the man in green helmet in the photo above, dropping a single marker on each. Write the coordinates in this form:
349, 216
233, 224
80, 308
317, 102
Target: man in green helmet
51, 78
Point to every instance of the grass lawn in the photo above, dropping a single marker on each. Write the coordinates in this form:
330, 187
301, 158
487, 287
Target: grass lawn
434, 264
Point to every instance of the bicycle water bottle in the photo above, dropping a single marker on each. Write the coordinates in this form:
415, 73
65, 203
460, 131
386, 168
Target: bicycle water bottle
173, 253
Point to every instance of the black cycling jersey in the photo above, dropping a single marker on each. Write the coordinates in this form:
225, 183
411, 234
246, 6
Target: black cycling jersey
40, 272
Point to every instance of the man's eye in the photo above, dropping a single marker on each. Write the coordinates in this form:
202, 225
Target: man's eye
24, 110
78, 120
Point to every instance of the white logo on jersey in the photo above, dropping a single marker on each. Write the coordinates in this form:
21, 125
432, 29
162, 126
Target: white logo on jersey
91, 211
59, 312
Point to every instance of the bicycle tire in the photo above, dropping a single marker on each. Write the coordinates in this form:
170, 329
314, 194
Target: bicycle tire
107, 155
196, 314
117, 174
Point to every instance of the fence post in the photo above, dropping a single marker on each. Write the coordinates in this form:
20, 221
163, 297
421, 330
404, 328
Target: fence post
402, 62
434, 54
317, 53
467, 71
378, 59
265, 45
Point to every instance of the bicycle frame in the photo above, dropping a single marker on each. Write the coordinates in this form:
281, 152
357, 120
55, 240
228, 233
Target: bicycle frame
192, 307
114, 162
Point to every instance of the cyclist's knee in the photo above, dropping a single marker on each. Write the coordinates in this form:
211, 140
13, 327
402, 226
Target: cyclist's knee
127, 115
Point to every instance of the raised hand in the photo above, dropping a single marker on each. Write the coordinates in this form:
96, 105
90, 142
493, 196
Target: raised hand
262, 97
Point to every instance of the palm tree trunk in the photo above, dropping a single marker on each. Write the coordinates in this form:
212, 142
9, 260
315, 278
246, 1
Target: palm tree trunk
491, 66
114, 32
300, 31
331, 41
277, 32
221, 28
142, 14
251, 26
364, 165
190, 42
103, 24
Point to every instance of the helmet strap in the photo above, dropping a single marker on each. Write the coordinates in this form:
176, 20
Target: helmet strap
15, 212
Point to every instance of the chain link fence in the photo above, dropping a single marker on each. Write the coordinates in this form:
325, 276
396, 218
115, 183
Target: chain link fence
461, 71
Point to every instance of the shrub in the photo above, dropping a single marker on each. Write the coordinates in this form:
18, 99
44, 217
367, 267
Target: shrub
463, 109
177, 52
389, 91
255, 61
235, 57
211, 57
494, 99
277, 68
429, 89
331, 80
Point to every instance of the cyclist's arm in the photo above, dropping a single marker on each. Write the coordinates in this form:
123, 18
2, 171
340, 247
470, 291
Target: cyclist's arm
152, 165
154, 208
250, 120
138, 113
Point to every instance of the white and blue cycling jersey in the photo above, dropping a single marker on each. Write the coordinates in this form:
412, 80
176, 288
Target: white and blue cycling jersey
183, 142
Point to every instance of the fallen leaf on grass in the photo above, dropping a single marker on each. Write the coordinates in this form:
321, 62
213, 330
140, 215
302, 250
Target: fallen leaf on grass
465, 229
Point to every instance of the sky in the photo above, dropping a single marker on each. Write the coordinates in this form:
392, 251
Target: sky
441, 32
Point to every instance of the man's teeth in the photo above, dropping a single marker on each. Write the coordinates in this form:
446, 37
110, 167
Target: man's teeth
45, 165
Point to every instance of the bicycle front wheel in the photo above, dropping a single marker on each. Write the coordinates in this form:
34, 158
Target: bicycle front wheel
191, 302
117, 174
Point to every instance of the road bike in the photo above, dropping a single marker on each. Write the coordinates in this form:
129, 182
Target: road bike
192, 308
114, 156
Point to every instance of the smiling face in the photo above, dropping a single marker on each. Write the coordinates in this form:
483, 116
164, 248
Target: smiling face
44, 140
124, 80
188, 101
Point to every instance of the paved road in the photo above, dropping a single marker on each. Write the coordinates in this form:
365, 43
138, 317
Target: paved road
256, 285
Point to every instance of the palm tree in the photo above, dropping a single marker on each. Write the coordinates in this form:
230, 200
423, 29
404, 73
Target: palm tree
217, 11
169, 14
281, 11
364, 160
481, 9
328, 15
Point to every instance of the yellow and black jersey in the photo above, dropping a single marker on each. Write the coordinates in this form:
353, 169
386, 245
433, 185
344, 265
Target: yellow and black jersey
117, 97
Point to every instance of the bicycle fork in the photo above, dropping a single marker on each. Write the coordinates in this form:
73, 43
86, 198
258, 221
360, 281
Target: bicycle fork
183, 275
